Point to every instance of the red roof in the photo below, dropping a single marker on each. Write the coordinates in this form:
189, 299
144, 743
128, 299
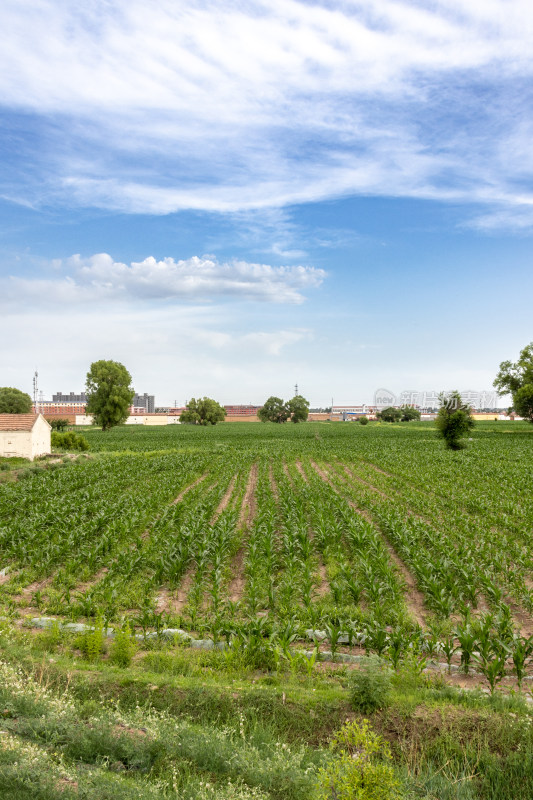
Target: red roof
18, 422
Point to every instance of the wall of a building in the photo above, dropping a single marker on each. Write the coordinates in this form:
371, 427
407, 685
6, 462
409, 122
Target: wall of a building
26, 444
40, 438
15, 443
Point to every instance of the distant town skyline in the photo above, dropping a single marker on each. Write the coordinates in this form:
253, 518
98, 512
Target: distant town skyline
230, 198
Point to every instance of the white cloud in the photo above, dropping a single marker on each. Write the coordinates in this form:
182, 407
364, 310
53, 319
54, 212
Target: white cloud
226, 106
99, 277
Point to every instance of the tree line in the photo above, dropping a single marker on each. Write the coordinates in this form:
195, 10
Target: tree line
110, 394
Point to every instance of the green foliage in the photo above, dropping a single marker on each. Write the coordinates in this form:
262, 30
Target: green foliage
109, 393
370, 685
92, 641
390, 414
59, 424
69, 441
517, 379
523, 401
454, 420
203, 411
123, 647
409, 413
277, 410
298, 408
13, 401
360, 769
274, 410
363, 420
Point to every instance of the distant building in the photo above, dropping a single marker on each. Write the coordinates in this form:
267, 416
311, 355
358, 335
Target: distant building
24, 435
145, 402
69, 398
353, 412
242, 411
50, 408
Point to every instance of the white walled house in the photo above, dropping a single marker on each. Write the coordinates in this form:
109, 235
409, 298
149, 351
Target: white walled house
24, 436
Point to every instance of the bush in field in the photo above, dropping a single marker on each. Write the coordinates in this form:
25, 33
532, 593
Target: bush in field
69, 441
370, 686
363, 420
361, 768
454, 420
123, 647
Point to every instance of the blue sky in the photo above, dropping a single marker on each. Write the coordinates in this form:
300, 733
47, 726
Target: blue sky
230, 197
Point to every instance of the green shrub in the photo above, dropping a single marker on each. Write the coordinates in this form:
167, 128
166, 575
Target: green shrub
361, 769
92, 641
370, 685
123, 647
69, 441
363, 420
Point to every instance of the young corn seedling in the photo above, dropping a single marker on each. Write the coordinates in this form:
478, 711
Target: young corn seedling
493, 670
521, 650
449, 648
467, 642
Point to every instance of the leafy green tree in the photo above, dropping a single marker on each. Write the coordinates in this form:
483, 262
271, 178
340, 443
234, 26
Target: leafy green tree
454, 420
274, 410
409, 413
13, 401
203, 411
109, 393
59, 424
277, 410
390, 414
517, 379
298, 408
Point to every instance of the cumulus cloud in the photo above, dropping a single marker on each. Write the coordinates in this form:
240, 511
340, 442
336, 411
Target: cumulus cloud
99, 277
211, 105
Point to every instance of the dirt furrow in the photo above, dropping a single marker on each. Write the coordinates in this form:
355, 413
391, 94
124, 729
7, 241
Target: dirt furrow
188, 488
301, 470
179, 602
414, 598
246, 518
225, 500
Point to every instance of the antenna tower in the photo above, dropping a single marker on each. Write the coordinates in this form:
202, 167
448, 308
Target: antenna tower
295, 389
35, 391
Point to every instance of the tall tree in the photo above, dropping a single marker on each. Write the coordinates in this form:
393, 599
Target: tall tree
274, 410
517, 379
409, 413
13, 401
277, 410
298, 408
203, 411
390, 414
109, 393
454, 420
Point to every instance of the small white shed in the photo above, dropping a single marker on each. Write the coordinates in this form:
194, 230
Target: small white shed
24, 435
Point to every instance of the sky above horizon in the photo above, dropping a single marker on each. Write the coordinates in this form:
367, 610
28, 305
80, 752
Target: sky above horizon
230, 197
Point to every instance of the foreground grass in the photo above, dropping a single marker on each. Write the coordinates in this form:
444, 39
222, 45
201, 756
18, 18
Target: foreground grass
184, 724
